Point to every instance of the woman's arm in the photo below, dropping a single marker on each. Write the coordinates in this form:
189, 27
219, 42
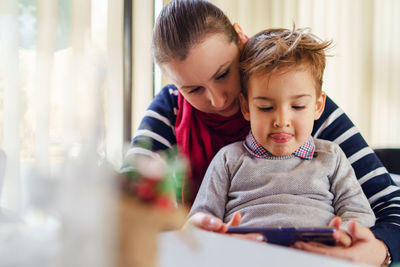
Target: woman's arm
156, 130
382, 194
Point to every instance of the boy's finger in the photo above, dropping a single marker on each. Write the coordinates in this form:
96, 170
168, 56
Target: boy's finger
335, 222
342, 238
251, 236
236, 219
206, 221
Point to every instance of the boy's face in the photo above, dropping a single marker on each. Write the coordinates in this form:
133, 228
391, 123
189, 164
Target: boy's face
281, 107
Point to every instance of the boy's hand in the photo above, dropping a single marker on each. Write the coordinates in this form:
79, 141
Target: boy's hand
342, 238
235, 221
212, 223
206, 222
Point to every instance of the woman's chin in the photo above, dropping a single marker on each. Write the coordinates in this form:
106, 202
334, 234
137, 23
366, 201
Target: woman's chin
229, 111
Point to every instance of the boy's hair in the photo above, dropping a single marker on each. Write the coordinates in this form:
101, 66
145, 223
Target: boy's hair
183, 24
271, 49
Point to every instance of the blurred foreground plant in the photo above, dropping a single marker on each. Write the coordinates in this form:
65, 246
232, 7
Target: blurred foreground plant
149, 186
156, 180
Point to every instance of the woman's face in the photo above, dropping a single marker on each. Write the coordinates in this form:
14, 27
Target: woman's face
209, 76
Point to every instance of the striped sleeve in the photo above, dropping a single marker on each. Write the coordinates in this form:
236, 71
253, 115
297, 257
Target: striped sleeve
159, 121
156, 130
382, 194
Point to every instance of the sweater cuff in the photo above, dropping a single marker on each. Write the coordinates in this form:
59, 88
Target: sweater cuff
390, 235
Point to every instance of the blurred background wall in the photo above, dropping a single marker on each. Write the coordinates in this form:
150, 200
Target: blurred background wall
362, 74
62, 76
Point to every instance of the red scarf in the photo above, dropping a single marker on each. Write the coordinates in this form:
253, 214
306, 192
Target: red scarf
201, 135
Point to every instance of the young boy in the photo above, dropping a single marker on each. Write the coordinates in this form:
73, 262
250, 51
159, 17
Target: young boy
280, 175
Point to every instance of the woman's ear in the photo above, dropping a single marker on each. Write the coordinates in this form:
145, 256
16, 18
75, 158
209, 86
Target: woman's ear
319, 106
242, 37
244, 107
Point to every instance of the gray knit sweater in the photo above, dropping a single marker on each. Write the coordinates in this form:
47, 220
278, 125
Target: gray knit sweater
283, 191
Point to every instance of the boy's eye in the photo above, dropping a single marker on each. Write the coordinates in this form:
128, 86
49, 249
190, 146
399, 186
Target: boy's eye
298, 107
265, 109
194, 90
223, 75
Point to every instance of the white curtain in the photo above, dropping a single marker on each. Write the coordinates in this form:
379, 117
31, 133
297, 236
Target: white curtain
362, 75
61, 95
11, 109
60, 87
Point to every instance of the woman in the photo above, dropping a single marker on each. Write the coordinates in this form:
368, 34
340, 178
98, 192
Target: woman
198, 49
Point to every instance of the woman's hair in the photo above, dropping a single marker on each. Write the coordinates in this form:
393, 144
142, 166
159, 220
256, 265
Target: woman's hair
183, 24
271, 49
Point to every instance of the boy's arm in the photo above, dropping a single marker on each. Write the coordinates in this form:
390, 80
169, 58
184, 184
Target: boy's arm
212, 195
349, 202
382, 194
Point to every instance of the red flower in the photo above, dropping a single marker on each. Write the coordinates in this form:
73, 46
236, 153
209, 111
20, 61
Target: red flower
164, 203
146, 190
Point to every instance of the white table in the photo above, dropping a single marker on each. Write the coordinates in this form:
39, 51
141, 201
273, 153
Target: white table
196, 247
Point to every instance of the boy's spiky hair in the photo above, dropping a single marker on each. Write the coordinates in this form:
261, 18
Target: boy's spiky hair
271, 49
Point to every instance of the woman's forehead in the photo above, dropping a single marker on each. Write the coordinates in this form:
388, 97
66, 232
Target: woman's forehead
214, 54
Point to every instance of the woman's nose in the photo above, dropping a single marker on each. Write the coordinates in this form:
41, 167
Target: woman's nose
217, 98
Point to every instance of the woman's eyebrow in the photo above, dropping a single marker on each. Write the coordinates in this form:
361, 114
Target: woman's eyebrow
189, 87
217, 73
214, 76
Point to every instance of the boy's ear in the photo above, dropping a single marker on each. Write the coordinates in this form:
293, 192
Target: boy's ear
319, 106
242, 37
244, 107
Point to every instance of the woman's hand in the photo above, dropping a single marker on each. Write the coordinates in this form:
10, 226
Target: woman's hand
212, 223
360, 249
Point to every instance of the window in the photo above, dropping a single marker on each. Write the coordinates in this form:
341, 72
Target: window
61, 88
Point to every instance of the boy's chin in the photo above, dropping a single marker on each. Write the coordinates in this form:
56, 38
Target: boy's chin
281, 153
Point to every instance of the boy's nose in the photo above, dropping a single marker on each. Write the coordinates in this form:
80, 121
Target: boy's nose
281, 120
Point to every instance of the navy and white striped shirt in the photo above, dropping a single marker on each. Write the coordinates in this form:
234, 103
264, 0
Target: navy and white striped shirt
334, 125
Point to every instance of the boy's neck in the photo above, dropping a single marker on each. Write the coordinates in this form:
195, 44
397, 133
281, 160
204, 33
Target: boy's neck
305, 151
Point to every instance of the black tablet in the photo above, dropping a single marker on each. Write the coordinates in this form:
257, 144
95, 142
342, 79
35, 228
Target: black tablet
287, 236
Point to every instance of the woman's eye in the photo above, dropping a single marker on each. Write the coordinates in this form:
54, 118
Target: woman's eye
223, 75
265, 109
194, 90
298, 107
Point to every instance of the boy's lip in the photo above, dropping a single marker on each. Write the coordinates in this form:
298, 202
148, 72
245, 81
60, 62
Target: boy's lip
281, 137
